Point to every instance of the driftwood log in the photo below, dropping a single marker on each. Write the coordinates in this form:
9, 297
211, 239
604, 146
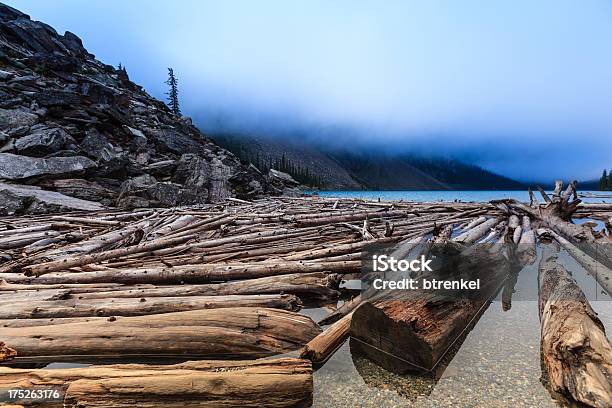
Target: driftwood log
575, 350
319, 349
285, 382
214, 333
78, 307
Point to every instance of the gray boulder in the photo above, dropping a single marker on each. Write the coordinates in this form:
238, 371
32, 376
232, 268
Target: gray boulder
145, 191
174, 141
43, 142
204, 180
79, 188
163, 168
14, 167
165, 194
12, 118
277, 176
18, 199
96, 146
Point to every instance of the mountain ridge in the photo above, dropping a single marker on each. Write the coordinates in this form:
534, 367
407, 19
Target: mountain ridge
342, 169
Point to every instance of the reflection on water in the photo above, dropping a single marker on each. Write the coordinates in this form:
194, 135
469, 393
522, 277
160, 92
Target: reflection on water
498, 364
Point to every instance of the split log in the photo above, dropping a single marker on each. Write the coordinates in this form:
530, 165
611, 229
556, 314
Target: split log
213, 333
78, 307
575, 350
6, 353
285, 382
319, 349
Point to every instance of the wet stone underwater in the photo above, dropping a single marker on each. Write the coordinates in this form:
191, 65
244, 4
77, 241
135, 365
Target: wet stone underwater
497, 365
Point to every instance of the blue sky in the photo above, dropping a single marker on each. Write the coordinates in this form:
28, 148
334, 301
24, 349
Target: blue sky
520, 87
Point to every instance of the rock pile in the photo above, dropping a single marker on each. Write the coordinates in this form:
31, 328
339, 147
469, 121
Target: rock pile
77, 127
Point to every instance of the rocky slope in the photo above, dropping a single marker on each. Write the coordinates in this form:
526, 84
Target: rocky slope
74, 130
297, 151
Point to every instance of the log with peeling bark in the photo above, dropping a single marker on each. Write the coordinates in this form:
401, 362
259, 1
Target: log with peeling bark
319, 349
213, 333
281, 382
576, 353
79, 307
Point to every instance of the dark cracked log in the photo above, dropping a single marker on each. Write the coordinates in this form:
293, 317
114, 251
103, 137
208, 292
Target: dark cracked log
222, 333
412, 330
283, 382
575, 350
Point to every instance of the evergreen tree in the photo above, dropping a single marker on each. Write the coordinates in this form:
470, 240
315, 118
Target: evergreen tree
603, 181
173, 101
609, 183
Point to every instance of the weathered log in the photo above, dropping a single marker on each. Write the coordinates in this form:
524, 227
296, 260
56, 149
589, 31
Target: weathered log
342, 311
63, 264
474, 234
601, 273
13, 323
78, 307
189, 273
556, 215
231, 332
526, 248
319, 349
285, 382
575, 350
348, 218
74, 288
316, 286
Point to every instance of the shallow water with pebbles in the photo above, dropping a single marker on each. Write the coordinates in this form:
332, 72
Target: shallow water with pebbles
498, 364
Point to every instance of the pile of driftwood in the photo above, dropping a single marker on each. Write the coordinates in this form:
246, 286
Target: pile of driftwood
223, 284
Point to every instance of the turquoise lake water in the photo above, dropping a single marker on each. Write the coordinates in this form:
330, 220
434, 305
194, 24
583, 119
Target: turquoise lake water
427, 196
